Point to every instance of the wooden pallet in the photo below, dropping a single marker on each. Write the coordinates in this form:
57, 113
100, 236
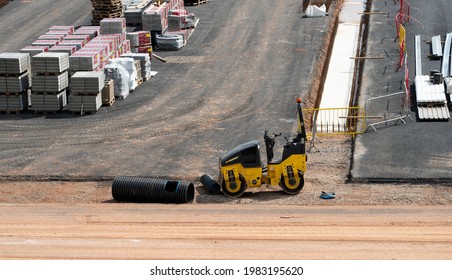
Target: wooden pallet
53, 112
85, 93
106, 2
12, 74
108, 103
112, 9
48, 73
7, 93
10, 112
83, 112
46, 92
195, 2
102, 14
3, 3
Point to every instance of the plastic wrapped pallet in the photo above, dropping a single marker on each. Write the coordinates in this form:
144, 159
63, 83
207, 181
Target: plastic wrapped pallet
48, 62
88, 82
116, 72
51, 83
185, 33
15, 84
14, 63
128, 64
137, 65
48, 102
145, 62
170, 42
85, 103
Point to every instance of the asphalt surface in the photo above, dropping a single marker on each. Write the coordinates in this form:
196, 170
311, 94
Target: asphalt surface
239, 75
419, 151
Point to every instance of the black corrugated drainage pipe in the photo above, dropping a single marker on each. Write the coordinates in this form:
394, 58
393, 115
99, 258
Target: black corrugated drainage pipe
137, 189
210, 184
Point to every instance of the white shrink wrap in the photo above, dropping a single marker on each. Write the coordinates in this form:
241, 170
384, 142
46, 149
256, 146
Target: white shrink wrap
116, 72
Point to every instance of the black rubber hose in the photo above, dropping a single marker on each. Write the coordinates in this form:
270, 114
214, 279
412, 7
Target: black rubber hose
149, 190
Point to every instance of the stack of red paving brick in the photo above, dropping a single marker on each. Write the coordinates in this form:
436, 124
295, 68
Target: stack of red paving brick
110, 43
140, 42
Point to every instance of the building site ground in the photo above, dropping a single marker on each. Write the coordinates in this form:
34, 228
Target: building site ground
236, 78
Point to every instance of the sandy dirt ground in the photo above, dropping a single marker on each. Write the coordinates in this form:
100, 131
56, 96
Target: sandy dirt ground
134, 231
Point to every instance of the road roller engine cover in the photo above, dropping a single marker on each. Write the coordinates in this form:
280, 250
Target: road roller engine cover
241, 168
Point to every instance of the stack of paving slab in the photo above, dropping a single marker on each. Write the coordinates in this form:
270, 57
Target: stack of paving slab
140, 42
91, 31
155, 18
14, 81
52, 40
50, 81
86, 91
170, 24
34, 50
106, 9
110, 43
134, 11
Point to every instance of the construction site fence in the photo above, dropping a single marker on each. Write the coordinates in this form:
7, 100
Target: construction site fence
334, 121
387, 110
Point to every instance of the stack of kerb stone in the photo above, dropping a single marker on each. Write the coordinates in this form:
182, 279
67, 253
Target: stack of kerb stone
86, 91
50, 81
15, 80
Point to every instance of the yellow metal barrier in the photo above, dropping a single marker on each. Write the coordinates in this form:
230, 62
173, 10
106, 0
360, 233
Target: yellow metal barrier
334, 121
